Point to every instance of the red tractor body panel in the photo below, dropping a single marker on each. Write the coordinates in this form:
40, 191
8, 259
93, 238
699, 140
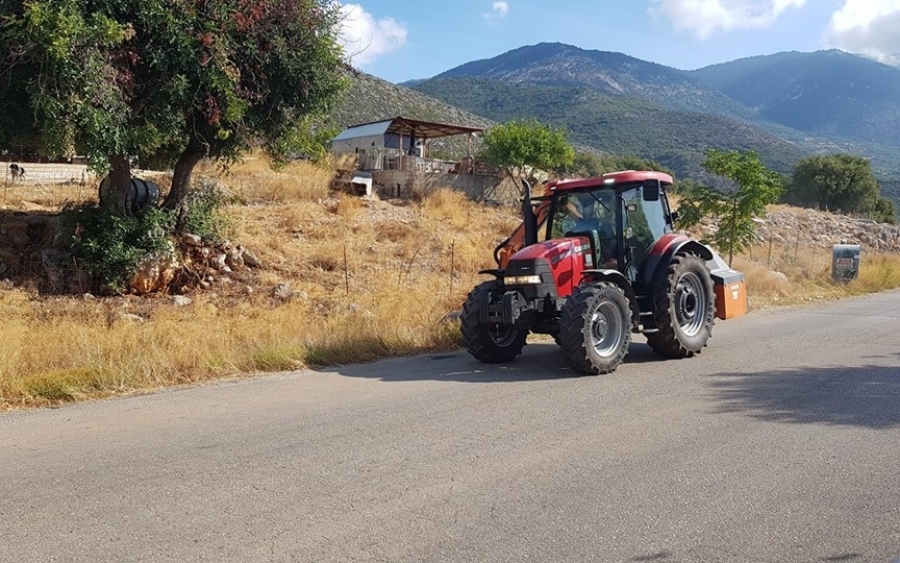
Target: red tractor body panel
566, 258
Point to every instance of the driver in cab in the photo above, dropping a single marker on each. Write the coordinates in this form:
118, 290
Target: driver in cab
586, 213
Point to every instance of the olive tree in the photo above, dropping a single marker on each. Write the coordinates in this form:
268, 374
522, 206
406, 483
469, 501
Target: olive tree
168, 81
521, 147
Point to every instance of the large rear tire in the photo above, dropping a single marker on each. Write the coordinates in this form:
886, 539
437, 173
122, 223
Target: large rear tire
595, 328
685, 309
489, 343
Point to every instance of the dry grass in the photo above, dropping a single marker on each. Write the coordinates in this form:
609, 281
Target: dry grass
28, 197
255, 181
792, 275
407, 265
370, 279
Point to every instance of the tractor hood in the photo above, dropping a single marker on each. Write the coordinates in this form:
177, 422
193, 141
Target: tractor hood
566, 258
553, 250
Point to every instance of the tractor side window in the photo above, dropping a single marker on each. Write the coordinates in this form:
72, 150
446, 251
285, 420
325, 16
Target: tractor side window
644, 222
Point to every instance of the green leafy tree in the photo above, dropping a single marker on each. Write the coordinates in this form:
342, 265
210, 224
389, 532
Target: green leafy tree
838, 182
755, 187
521, 147
168, 81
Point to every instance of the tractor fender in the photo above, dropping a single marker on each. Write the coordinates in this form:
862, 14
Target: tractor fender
657, 264
616, 277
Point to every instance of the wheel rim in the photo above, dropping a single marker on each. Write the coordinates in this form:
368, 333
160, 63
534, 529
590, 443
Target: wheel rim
690, 303
502, 336
607, 325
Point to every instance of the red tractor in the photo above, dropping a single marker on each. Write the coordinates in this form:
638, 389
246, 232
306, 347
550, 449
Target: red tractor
593, 262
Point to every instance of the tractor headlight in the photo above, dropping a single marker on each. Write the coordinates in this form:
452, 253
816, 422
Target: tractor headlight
522, 280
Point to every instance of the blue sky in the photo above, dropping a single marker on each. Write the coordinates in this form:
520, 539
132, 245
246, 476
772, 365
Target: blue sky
400, 41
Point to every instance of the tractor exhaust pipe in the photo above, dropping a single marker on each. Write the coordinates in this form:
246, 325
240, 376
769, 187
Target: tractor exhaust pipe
529, 219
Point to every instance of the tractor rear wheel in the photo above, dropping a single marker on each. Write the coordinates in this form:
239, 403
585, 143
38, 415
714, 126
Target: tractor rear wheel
489, 343
595, 328
685, 309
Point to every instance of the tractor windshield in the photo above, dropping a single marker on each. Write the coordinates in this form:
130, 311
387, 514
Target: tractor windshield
583, 211
591, 213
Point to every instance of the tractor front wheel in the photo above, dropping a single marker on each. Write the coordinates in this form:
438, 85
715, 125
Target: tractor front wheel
489, 343
685, 309
595, 328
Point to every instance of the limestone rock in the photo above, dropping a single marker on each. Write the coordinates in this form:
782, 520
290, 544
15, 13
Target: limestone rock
250, 259
154, 274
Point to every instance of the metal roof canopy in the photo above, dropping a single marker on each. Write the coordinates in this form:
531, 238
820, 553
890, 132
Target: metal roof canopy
404, 126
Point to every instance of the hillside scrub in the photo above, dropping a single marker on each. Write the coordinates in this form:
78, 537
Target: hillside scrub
408, 264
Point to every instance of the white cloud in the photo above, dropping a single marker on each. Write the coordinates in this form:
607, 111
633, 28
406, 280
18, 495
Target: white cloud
705, 17
499, 11
867, 27
364, 38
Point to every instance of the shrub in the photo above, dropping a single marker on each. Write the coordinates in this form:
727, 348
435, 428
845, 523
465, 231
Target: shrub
202, 215
110, 247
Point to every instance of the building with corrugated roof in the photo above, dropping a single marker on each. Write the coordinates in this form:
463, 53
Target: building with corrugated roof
402, 144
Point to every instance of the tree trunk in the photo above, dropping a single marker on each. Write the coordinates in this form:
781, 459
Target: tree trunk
181, 176
118, 196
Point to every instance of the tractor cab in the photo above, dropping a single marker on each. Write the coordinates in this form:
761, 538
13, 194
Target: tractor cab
621, 215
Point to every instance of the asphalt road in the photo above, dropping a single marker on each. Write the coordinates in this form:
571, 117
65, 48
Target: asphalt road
781, 442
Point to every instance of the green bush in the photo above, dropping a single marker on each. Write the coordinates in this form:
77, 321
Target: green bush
110, 247
202, 213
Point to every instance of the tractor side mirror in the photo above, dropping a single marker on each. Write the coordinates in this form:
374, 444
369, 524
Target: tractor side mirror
651, 190
673, 216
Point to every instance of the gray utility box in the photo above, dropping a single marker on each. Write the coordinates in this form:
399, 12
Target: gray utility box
845, 262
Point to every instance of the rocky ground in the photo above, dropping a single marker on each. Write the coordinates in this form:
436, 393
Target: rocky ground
785, 225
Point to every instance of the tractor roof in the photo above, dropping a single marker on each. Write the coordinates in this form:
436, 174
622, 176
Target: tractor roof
611, 179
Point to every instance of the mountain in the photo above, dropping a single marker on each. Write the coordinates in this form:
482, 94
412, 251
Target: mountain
595, 121
828, 93
557, 64
614, 123
825, 102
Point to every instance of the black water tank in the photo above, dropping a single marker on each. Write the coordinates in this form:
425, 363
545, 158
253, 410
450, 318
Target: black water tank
141, 194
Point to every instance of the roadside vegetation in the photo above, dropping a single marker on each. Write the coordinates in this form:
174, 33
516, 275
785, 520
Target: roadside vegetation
355, 280
408, 265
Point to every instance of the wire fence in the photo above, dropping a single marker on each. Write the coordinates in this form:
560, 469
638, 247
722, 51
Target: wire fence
31, 173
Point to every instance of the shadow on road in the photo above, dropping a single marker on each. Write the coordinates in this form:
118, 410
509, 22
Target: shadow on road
867, 396
542, 361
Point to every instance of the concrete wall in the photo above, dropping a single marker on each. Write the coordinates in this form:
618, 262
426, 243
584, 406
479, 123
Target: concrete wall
407, 183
